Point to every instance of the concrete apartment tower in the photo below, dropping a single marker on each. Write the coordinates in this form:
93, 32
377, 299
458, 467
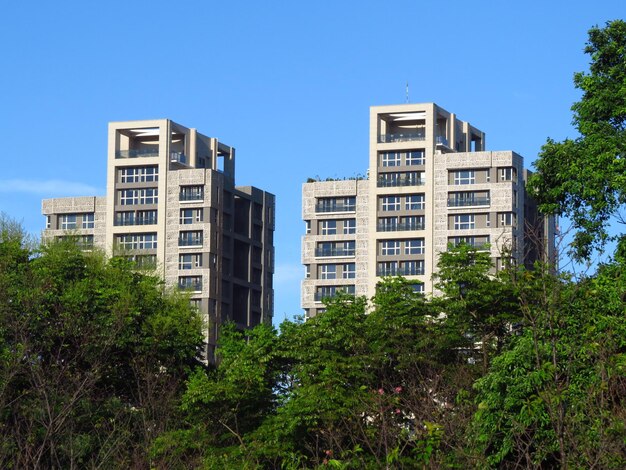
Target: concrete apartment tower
172, 204
431, 183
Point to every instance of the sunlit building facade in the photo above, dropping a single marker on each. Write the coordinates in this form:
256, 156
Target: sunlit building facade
431, 185
172, 205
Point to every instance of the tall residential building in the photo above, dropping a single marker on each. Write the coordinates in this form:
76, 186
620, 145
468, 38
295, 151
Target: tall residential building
431, 183
172, 204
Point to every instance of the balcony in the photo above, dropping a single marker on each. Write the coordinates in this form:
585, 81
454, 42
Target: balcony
324, 252
192, 241
138, 221
195, 286
402, 137
399, 227
338, 207
441, 140
178, 157
319, 296
402, 271
191, 197
137, 153
398, 182
477, 201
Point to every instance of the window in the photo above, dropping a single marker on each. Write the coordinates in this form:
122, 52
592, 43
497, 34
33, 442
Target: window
464, 177
324, 292
328, 227
129, 197
415, 157
464, 222
477, 242
143, 261
386, 180
307, 271
418, 287
390, 203
190, 261
415, 178
507, 174
414, 202
335, 249
138, 241
67, 221
307, 226
48, 222
88, 220
390, 247
193, 283
125, 218
139, 174
387, 268
414, 247
336, 204
390, 159
190, 216
468, 198
328, 271
190, 238
146, 217
412, 222
507, 219
387, 224
412, 268
349, 271
191, 193
349, 226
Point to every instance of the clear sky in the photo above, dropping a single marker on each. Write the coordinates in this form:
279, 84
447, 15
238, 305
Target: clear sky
287, 83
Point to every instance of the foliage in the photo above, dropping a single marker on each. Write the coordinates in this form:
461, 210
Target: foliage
585, 178
92, 357
554, 397
480, 309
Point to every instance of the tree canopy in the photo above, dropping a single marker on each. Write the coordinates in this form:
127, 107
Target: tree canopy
585, 178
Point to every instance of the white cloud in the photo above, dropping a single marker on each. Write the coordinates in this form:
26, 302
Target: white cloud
48, 187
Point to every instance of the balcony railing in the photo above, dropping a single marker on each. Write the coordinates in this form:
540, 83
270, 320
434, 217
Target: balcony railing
399, 227
402, 137
138, 221
477, 201
191, 197
178, 157
400, 272
192, 286
321, 252
137, 153
195, 241
383, 183
338, 207
478, 246
319, 296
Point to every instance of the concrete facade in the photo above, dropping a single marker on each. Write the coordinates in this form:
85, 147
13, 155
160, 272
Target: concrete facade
431, 183
172, 205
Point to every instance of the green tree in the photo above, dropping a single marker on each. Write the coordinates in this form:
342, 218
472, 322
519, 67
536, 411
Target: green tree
554, 397
585, 178
480, 307
94, 357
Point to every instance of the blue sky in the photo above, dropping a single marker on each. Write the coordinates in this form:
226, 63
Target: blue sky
288, 84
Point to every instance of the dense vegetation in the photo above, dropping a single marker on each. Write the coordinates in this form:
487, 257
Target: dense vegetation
524, 369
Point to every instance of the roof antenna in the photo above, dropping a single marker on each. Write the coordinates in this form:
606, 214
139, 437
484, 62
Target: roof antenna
407, 92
